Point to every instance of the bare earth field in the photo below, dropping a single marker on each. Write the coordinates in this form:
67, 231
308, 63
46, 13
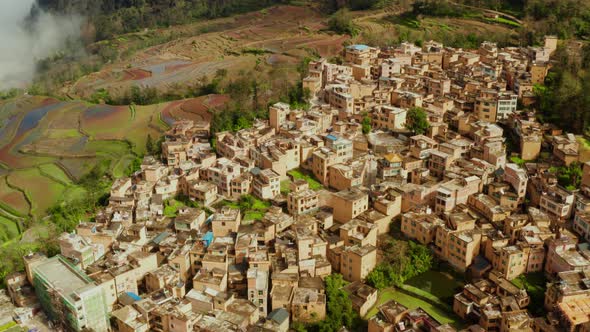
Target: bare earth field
283, 32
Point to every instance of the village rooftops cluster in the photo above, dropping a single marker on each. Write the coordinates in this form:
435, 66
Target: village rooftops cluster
276, 208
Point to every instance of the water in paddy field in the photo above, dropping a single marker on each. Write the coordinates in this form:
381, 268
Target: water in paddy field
99, 111
31, 120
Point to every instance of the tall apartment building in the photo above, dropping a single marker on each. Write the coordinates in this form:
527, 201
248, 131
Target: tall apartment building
301, 199
517, 177
258, 289
67, 295
357, 262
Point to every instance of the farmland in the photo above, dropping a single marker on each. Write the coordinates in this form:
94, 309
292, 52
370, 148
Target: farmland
284, 34
47, 145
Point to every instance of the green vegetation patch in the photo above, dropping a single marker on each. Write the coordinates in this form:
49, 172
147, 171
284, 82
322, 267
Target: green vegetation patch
285, 190
314, 184
108, 148
63, 133
442, 285
570, 176
12, 201
253, 215
9, 229
171, 208
8, 326
122, 165
535, 284
74, 193
517, 160
412, 302
41, 191
78, 167
256, 51
251, 207
55, 173
504, 21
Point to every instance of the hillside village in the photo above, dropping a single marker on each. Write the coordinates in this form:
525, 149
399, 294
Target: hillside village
242, 234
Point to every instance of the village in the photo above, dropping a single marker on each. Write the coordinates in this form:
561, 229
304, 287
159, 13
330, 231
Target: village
239, 231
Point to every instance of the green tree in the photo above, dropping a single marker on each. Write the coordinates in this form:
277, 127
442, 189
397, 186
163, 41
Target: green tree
402, 260
570, 176
417, 121
366, 124
341, 22
298, 327
340, 313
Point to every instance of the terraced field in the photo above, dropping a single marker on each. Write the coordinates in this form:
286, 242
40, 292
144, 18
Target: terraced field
285, 32
47, 145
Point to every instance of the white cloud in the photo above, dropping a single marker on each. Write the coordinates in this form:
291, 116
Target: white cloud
21, 46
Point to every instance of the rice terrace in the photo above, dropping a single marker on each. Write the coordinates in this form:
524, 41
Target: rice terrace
47, 145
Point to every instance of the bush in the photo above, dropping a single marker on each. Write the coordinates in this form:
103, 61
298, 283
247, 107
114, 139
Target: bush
341, 22
417, 121
403, 261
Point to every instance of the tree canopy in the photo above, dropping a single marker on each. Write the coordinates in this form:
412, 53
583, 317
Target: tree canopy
403, 260
564, 99
417, 120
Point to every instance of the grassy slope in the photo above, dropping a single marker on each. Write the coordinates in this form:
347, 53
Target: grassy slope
40, 190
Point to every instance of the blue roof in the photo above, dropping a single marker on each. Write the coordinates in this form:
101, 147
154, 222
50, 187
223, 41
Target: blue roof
255, 170
279, 315
160, 237
134, 296
332, 137
358, 47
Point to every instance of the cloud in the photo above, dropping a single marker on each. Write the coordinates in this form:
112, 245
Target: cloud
23, 42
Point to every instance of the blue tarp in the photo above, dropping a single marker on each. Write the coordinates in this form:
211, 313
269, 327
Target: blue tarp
358, 47
207, 238
134, 296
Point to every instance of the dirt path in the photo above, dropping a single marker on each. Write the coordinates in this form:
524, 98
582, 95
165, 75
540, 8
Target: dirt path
490, 11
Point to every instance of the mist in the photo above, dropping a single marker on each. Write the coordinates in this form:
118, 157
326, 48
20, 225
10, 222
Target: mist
23, 42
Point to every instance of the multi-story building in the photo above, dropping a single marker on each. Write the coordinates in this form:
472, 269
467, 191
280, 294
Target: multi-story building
348, 204
357, 262
389, 117
582, 224
266, 184
563, 255
308, 305
557, 202
226, 221
568, 298
421, 226
258, 289
517, 178
301, 199
68, 296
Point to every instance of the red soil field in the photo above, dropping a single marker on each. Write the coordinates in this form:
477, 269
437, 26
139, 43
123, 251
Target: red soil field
135, 74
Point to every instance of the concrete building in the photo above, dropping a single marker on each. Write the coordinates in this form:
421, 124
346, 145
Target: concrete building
357, 262
348, 204
258, 289
68, 296
226, 221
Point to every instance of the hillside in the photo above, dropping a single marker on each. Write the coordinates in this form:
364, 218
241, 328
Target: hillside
48, 145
